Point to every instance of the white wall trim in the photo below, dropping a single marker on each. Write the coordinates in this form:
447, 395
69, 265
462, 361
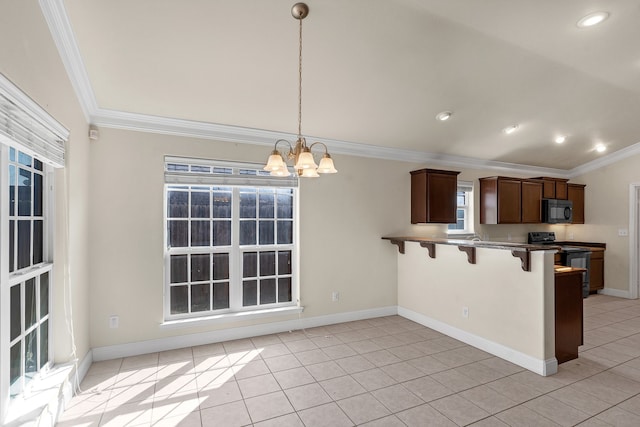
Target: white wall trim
607, 160
634, 253
172, 343
60, 27
539, 366
58, 21
619, 293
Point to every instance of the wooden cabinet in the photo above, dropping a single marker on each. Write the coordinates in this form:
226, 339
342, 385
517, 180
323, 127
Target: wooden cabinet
596, 270
434, 196
568, 313
531, 201
575, 193
554, 188
500, 200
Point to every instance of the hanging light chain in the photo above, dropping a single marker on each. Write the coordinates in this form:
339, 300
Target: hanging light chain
300, 81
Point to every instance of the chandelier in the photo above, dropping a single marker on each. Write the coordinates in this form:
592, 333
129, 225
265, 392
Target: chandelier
300, 153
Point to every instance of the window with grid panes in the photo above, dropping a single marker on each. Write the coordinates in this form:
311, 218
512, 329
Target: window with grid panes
29, 273
230, 234
464, 198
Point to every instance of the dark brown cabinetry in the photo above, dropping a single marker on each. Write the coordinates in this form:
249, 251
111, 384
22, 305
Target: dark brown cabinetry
554, 188
505, 200
596, 270
433, 196
531, 201
500, 200
568, 311
575, 193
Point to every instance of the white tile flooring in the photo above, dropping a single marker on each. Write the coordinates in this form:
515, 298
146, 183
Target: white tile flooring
379, 372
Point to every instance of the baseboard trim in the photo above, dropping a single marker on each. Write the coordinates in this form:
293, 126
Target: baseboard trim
615, 293
539, 366
172, 343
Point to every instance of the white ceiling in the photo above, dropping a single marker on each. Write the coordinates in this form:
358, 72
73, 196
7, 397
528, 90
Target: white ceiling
375, 72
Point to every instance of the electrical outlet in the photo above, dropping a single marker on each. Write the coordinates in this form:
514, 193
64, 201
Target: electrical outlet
335, 296
465, 312
114, 322
570, 236
622, 232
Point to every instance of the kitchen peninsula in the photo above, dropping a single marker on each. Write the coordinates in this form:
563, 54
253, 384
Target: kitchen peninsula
496, 296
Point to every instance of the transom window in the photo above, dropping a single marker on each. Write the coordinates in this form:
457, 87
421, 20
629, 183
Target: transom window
230, 239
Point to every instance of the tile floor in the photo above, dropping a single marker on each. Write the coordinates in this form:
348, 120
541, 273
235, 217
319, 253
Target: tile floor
378, 372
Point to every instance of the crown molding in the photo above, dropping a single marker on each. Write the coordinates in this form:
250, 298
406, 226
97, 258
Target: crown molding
607, 160
195, 129
57, 19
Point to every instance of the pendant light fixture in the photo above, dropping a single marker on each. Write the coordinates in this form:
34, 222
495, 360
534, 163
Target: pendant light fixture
301, 153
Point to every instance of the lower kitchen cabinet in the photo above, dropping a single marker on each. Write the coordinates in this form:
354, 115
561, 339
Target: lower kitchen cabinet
568, 312
596, 270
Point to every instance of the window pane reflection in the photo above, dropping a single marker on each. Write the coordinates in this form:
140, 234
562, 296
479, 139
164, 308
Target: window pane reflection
200, 298
44, 295
30, 303
267, 263
266, 233
284, 289
199, 267
178, 268
267, 291
220, 266
179, 299
220, 295
249, 292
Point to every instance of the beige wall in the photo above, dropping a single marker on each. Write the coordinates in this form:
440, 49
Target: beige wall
342, 218
30, 60
606, 211
506, 306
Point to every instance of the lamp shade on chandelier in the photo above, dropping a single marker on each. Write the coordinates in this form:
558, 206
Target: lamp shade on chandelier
300, 154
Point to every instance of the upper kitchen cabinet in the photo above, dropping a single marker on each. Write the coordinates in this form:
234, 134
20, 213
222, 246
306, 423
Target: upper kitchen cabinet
500, 200
532, 191
433, 196
554, 188
575, 193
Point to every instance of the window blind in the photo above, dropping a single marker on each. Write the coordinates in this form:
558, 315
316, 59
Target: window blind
189, 171
465, 186
29, 128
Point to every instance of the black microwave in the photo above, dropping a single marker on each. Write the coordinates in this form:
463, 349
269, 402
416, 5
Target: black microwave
556, 211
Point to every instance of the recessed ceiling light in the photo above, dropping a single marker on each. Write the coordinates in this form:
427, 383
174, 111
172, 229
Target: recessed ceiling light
560, 139
601, 148
510, 129
592, 19
443, 116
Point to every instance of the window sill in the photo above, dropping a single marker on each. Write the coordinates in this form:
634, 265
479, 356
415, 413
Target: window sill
41, 403
230, 317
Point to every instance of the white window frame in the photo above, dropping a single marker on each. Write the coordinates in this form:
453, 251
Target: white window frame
27, 127
201, 173
19, 277
467, 208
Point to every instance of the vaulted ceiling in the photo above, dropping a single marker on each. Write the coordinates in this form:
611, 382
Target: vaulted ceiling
375, 72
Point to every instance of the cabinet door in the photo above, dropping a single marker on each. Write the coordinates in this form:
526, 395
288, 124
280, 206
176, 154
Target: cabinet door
575, 193
561, 190
549, 190
596, 271
442, 201
509, 201
531, 202
418, 198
